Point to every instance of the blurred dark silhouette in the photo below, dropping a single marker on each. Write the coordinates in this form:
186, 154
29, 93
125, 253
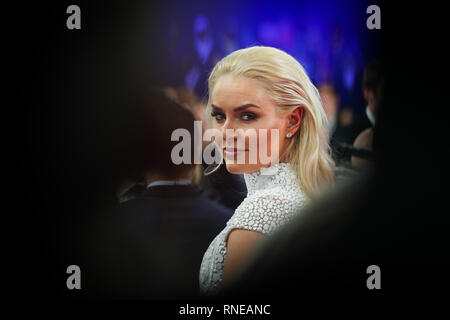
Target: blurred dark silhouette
152, 246
343, 137
145, 139
373, 82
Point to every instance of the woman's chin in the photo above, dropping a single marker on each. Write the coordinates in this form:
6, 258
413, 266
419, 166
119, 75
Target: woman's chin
235, 168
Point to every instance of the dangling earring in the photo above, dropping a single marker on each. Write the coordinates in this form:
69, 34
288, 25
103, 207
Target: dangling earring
211, 169
288, 135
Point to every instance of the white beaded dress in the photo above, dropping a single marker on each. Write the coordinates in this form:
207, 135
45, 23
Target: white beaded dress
273, 198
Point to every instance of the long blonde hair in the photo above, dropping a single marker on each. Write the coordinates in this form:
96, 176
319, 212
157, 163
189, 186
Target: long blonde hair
286, 81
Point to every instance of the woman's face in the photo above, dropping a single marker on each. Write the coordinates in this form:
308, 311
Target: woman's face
242, 103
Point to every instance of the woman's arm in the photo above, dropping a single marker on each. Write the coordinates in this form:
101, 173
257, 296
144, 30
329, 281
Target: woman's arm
240, 246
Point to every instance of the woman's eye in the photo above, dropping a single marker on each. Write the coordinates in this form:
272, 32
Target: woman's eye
248, 116
218, 116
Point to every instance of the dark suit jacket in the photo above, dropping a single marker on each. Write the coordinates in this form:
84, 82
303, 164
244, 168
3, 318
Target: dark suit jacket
152, 246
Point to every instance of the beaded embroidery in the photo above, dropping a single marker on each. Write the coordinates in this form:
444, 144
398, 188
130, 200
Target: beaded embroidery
273, 198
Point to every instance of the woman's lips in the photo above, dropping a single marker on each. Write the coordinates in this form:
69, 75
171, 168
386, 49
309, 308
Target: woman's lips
232, 152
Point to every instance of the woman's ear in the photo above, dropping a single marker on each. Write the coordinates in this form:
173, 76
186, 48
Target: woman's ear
294, 121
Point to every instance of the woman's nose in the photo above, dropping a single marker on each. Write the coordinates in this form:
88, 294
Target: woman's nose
228, 133
228, 124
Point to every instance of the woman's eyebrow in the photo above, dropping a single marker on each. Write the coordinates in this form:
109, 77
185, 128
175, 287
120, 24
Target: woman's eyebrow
243, 107
216, 107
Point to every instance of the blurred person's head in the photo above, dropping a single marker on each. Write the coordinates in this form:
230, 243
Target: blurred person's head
191, 101
330, 101
153, 117
263, 88
373, 81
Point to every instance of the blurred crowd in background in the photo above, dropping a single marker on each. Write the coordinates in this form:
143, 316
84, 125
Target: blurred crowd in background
328, 38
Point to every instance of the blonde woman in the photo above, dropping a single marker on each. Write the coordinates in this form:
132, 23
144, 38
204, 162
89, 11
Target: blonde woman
264, 90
